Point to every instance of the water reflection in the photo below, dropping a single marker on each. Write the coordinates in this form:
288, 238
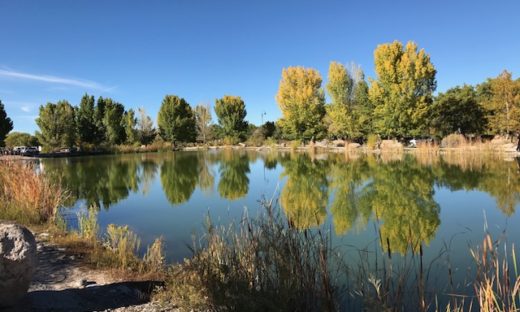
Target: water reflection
305, 194
234, 167
179, 176
397, 193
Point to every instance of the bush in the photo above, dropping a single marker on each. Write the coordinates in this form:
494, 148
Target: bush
231, 140
87, 224
123, 243
295, 144
454, 140
372, 141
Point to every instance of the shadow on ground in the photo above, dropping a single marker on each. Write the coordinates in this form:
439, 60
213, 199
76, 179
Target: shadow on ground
90, 298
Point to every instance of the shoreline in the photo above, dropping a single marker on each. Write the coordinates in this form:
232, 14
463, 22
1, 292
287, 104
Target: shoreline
308, 148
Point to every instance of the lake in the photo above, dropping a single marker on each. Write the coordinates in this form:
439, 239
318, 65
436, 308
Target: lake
395, 205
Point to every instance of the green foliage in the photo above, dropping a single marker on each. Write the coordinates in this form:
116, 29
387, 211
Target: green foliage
124, 243
113, 122
6, 124
20, 139
304, 196
340, 121
87, 223
85, 119
99, 114
231, 113
176, 120
234, 183
372, 140
501, 98
302, 102
340, 113
57, 125
340, 84
130, 125
268, 129
457, 110
363, 107
402, 92
179, 177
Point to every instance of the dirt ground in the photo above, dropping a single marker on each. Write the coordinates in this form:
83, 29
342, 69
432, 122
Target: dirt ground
62, 283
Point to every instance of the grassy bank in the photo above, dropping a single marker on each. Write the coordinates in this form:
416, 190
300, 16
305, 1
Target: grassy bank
30, 198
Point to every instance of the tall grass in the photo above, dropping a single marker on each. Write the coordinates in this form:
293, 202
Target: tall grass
87, 224
497, 287
27, 196
262, 265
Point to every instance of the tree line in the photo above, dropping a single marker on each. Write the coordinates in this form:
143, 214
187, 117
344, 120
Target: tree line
398, 102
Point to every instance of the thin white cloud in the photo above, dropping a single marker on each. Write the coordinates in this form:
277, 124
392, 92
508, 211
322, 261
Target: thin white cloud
25, 108
54, 79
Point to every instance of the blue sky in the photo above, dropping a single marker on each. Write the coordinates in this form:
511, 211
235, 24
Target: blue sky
138, 51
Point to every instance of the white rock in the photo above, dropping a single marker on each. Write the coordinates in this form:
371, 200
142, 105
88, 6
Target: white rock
17, 262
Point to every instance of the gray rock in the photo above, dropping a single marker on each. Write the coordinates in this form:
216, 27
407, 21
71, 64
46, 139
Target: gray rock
17, 262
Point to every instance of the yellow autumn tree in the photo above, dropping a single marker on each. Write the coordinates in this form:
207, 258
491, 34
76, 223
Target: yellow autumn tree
402, 91
302, 102
503, 104
339, 113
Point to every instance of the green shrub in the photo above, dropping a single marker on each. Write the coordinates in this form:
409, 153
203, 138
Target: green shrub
124, 243
372, 140
295, 144
87, 224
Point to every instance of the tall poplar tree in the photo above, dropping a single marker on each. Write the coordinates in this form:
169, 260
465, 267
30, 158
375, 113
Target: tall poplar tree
130, 125
402, 90
339, 117
503, 104
113, 122
302, 102
86, 122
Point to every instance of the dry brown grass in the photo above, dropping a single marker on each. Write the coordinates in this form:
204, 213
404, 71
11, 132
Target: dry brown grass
27, 196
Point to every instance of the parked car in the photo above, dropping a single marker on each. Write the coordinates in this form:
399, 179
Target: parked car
29, 151
17, 150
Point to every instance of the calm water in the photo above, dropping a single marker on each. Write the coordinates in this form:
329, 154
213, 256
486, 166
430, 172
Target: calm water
389, 205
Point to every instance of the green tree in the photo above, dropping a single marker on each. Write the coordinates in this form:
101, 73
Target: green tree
57, 125
130, 125
231, 112
457, 110
100, 134
6, 124
302, 102
402, 92
176, 120
339, 114
203, 119
363, 108
503, 104
20, 139
86, 122
145, 130
113, 122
